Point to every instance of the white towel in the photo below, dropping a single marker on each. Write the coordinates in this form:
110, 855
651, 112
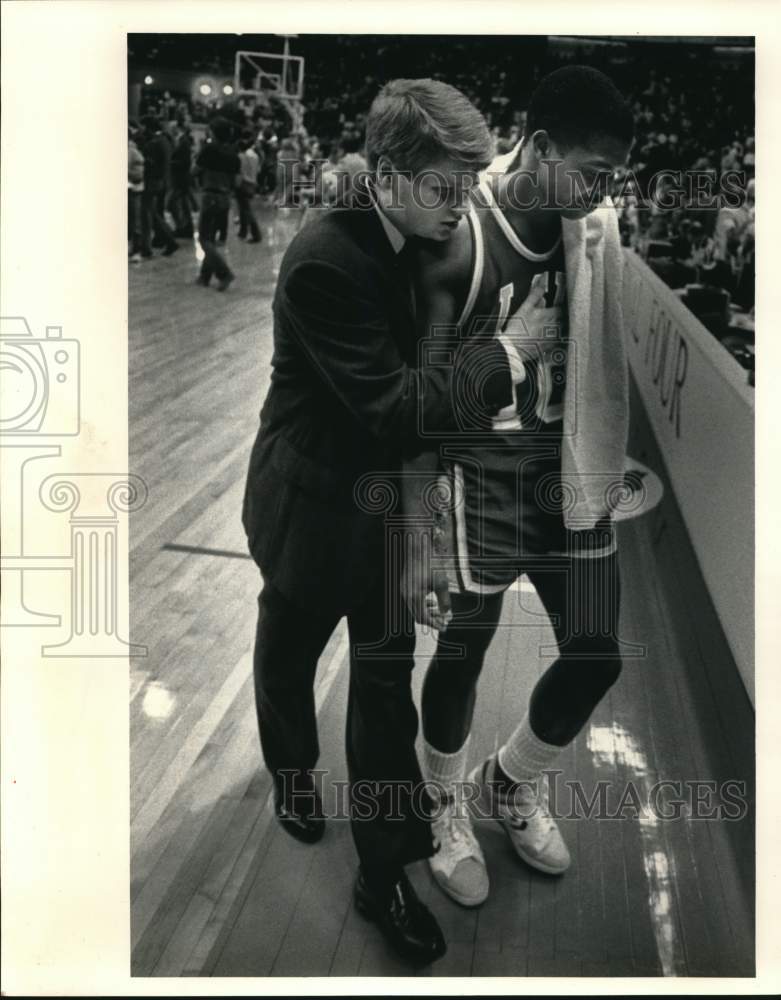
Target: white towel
596, 396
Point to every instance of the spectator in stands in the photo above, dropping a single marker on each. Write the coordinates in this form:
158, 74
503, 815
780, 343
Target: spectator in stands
219, 164
270, 148
353, 160
748, 157
181, 200
351, 166
744, 270
288, 172
674, 154
171, 132
309, 171
329, 177
247, 186
156, 150
731, 226
168, 105
731, 157
135, 190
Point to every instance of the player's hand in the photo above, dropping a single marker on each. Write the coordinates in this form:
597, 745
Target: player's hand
425, 590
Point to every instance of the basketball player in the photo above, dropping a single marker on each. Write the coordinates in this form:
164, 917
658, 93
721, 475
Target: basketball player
504, 271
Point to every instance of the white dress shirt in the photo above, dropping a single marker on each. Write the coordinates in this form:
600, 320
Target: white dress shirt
397, 239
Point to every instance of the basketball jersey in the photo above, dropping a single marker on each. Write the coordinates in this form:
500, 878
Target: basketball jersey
506, 481
502, 272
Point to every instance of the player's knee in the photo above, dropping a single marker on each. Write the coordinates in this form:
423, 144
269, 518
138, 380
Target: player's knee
595, 666
603, 672
456, 675
466, 642
609, 671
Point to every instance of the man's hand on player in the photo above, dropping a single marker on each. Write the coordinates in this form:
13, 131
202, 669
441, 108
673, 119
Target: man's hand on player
437, 612
535, 327
425, 589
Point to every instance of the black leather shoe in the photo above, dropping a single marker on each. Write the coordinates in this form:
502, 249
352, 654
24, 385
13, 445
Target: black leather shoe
409, 927
299, 809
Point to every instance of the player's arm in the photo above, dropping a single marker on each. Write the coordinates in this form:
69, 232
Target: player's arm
442, 279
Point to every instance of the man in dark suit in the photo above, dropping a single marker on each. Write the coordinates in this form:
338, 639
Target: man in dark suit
156, 149
218, 163
345, 404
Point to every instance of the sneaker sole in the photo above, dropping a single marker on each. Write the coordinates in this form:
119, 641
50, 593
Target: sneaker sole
483, 800
457, 897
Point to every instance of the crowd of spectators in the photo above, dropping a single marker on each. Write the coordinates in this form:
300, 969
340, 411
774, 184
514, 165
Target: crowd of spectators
694, 112
687, 199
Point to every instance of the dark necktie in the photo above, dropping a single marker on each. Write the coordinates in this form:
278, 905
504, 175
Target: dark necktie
405, 265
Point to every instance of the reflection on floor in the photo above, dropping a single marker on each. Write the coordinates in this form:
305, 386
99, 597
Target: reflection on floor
218, 889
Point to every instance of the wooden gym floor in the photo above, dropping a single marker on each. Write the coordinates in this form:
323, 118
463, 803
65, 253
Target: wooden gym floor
217, 888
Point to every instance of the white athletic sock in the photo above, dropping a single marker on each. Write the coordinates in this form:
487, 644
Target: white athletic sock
446, 769
524, 756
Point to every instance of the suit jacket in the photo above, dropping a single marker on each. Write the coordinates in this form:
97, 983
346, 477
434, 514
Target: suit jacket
345, 402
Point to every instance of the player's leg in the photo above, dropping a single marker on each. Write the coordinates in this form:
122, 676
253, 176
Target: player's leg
450, 684
448, 701
583, 601
586, 602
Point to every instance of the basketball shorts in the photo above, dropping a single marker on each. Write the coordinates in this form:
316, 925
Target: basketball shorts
503, 515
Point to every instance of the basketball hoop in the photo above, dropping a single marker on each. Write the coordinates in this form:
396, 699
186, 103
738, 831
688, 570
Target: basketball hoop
263, 75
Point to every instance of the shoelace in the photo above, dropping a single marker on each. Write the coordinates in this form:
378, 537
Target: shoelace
459, 832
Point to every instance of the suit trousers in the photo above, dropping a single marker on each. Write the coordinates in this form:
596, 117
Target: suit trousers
153, 221
247, 221
214, 207
389, 808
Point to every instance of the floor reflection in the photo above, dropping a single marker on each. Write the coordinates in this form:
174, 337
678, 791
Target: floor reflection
158, 701
614, 748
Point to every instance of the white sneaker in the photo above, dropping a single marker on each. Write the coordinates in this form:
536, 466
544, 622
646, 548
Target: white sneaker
526, 820
458, 865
